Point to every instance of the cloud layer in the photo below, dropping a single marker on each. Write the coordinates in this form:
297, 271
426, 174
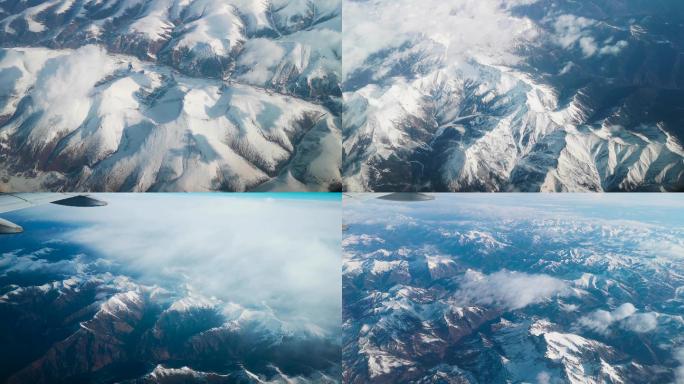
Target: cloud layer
466, 27
259, 252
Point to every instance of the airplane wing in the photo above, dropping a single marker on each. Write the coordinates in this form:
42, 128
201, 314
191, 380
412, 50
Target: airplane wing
359, 196
15, 201
396, 196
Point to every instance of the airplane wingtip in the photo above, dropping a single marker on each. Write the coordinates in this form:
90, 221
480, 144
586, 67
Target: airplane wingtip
407, 196
81, 201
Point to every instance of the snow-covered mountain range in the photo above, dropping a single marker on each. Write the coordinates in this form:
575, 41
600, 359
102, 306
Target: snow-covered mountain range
524, 95
170, 95
471, 289
492, 95
107, 328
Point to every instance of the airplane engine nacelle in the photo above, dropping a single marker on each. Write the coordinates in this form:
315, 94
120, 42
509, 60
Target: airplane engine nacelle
8, 227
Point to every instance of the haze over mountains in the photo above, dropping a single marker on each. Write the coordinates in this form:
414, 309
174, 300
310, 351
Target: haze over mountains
207, 289
170, 95
469, 288
523, 95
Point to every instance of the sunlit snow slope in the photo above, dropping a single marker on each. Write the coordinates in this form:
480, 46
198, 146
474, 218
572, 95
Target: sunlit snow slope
196, 95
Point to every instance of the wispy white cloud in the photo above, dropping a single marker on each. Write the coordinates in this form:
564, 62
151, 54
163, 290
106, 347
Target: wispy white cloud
663, 247
625, 315
600, 320
361, 239
260, 56
509, 290
543, 378
40, 261
575, 31
613, 49
472, 27
641, 322
588, 46
74, 73
570, 29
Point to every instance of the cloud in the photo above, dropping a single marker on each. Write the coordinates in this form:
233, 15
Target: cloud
588, 46
74, 73
543, 378
260, 56
361, 239
571, 31
510, 290
62, 87
641, 322
625, 315
600, 320
40, 261
256, 252
464, 27
679, 371
672, 248
613, 49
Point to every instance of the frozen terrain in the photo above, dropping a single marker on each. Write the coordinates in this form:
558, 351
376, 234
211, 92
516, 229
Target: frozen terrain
514, 289
148, 95
523, 95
